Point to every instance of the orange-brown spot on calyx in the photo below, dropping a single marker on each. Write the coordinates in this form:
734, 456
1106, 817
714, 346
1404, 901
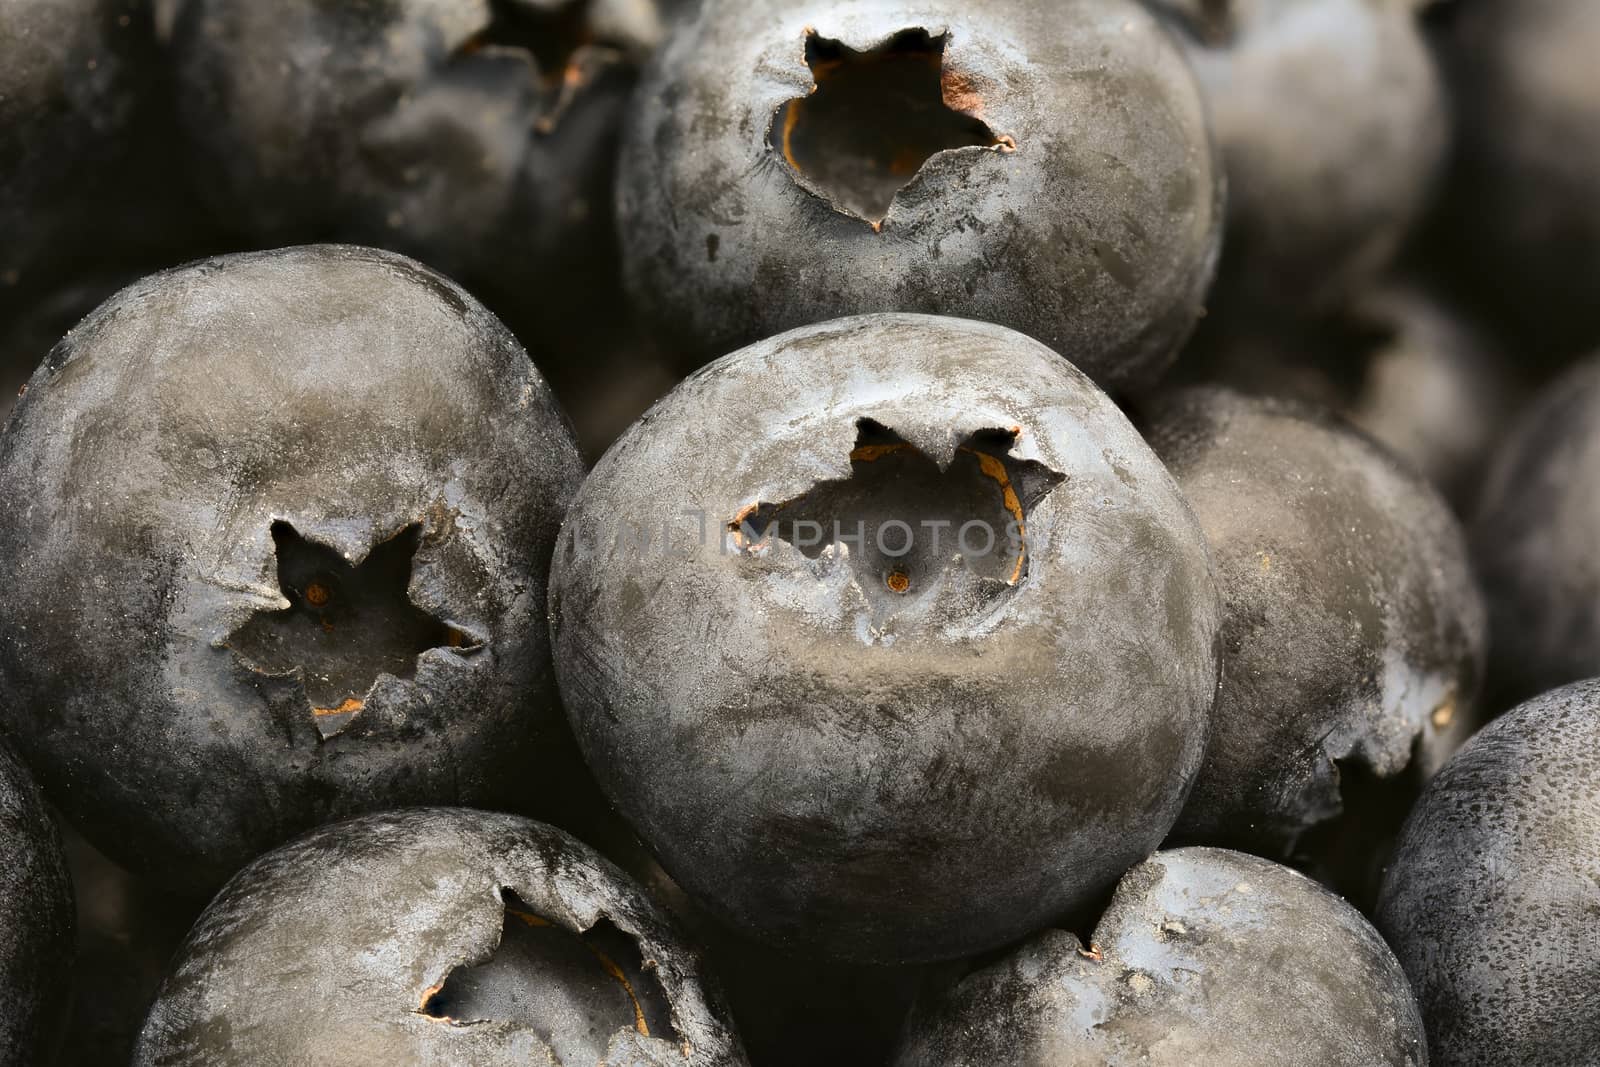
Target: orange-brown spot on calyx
615, 972
1092, 953
994, 468
737, 525
349, 707
527, 918
427, 995
606, 963
959, 93
317, 595
868, 453
1444, 714
898, 581
791, 119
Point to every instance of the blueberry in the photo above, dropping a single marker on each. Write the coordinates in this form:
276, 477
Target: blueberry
73, 76
279, 529
36, 920
1521, 218
1409, 366
1332, 125
1204, 957
1491, 900
431, 936
1534, 538
478, 136
1353, 630
890, 636
1046, 167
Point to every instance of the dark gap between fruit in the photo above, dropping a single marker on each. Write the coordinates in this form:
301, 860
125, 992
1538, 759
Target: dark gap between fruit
1348, 853
553, 36
874, 118
903, 521
575, 992
345, 624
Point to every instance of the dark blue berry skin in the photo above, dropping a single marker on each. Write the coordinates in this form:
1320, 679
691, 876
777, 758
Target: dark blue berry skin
1492, 897
1204, 957
1332, 125
478, 136
1534, 539
1353, 632
1088, 215
888, 761
36, 921
186, 450
436, 936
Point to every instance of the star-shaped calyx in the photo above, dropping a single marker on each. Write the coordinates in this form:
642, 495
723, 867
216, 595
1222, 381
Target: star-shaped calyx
874, 118
905, 524
346, 623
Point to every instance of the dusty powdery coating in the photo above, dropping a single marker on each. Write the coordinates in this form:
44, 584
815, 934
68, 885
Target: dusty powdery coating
1204, 956
1353, 629
478, 135
436, 936
1491, 899
277, 534
1332, 126
1524, 209
1045, 166
881, 742
36, 920
1534, 539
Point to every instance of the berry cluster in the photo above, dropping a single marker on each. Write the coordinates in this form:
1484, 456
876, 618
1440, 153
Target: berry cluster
751, 533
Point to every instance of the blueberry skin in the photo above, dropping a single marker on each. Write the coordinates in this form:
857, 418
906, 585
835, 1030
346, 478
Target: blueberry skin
1332, 124
417, 126
1204, 956
847, 774
1353, 628
37, 923
1098, 235
334, 949
1534, 536
1522, 211
160, 451
1490, 901
1409, 366
1437, 390
71, 76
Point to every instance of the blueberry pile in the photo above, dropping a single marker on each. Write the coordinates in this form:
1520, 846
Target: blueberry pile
762, 533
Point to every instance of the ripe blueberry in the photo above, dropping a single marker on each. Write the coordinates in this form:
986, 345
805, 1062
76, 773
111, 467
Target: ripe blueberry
1203, 957
279, 528
1534, 539
1332, 126
1046, 167
1490, 901
1353, 629
431, 936
890, 635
